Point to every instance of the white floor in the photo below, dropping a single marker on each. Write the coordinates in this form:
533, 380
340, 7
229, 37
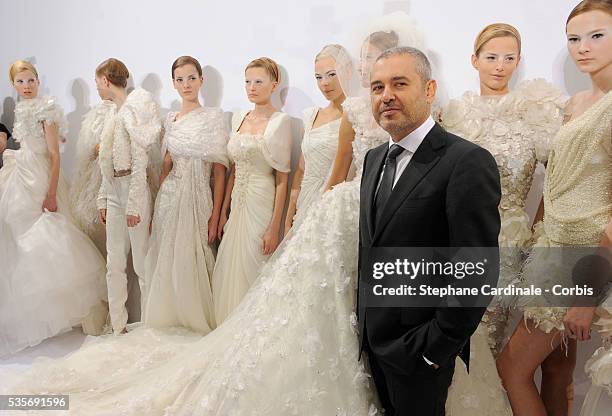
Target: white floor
64, 344
55, 347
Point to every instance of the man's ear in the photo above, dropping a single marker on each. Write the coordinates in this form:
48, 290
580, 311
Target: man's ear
430, 89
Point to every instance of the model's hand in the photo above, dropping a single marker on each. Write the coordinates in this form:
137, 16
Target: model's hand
578, 321
50, 204
213, 225
270, 240
102, 215
222, 221
133, 220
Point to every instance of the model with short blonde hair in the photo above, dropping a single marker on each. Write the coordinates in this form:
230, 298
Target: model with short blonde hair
52, 274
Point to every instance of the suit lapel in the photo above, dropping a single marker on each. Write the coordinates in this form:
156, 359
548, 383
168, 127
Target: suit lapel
375, 166
424, 159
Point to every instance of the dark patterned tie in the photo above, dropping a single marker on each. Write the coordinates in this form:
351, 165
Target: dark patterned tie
386, 184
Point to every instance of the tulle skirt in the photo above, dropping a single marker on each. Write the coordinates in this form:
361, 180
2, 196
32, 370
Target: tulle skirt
51, 274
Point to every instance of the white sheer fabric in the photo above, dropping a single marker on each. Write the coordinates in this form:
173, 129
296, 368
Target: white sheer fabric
179, 262
52, 274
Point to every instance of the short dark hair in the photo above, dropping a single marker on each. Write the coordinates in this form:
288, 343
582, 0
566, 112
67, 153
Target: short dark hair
186, 60
423, 67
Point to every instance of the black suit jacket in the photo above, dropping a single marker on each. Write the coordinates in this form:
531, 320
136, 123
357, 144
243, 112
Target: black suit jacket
447, 196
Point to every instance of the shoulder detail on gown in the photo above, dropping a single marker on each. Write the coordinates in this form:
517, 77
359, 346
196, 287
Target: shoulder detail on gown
276, 144
141, 117
200, 134
533, 111
30, 113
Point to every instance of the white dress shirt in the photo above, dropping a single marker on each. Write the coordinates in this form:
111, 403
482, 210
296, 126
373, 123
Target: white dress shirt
410, 144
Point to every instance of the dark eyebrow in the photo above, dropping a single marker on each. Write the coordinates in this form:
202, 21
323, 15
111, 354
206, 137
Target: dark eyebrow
400, 78
375, 82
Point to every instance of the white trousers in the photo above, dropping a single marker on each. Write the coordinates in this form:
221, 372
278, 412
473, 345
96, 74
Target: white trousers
120, 239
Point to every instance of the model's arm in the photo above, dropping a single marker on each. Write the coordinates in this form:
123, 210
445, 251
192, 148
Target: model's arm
218, 190
227, 201
578, 319
3, 141
52, 137
271, 236
166, 167
296, 185
344, 154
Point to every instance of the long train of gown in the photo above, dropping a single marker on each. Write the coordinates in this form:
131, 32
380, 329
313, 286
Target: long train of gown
51, 274
290, 347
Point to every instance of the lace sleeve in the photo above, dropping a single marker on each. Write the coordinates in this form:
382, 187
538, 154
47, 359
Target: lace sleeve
276, 144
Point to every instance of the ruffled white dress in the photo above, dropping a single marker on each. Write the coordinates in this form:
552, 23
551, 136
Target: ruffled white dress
240, 256
51, 274
179, 262
517, 128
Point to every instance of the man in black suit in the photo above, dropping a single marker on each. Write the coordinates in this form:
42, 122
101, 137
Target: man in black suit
425, 188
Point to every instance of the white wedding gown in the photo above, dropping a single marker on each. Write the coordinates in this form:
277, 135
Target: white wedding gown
290, 347
240, 257
319, 147
180, 262
51, 274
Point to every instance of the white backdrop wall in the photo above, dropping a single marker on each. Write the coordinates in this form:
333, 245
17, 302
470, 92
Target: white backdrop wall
66, 39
